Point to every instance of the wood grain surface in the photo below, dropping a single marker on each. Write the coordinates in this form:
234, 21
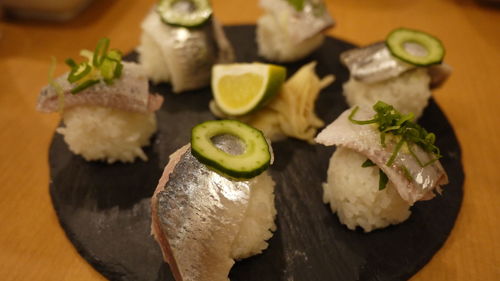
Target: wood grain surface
34, 247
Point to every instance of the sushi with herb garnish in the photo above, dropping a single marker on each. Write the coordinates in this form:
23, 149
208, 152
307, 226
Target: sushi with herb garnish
257, 94
214, 203
400, 71
383, 164
291, 29
107, 110
180, 42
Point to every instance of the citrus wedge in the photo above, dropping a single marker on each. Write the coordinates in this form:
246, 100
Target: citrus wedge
241, 88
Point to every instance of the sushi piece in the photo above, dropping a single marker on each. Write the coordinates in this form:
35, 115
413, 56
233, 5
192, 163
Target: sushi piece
383, 164
379, 73
291, 30
202, 218
179, 50
106, 107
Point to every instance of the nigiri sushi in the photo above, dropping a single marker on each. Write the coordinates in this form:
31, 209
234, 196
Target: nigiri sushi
180, 42
214, 202
396, 75
291, 30
107, 110
383, 164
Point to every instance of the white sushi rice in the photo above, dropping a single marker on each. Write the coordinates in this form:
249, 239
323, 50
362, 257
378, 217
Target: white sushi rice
151, 56
258, 224
274, 43
99, 133
353, 194
408, 92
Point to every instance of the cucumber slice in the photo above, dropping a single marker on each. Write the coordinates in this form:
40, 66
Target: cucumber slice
254, 160
186, 13
415, 47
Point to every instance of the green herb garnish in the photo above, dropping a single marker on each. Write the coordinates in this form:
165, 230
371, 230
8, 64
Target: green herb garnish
406, 132
297, 4
409, 133
406, 172
101, 65
383, 179
367, 163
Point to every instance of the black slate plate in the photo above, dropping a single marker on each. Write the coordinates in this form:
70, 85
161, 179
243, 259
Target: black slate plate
104, 209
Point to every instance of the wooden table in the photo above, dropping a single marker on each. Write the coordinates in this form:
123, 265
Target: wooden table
33, 245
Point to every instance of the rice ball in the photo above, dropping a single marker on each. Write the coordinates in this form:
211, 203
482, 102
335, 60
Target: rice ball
100, 133
258, 224
275, 45
353, 194
408, 92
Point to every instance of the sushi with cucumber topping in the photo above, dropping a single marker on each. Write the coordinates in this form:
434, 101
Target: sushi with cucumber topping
400, 71
107, 110
291, 29
214, 203
180, 42
384, 163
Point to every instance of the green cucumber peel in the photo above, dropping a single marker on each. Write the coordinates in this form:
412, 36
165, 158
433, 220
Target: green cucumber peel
184, 13
397, 42
255, 159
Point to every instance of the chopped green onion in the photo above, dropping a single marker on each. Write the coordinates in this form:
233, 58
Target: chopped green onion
402, 127
360, 122
78, 72
108, 70
101, 51
71, 63
87, 54
390, 121
118, 71
115, 55
101, 65
395, 152
406, 172
84, 86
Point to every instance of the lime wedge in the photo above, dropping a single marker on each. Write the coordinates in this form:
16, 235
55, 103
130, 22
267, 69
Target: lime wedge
241, 88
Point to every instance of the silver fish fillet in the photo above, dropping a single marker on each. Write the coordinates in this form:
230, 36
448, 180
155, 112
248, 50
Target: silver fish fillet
375, 63
182, 56
130, 92
197, 214
301, 25
365, 139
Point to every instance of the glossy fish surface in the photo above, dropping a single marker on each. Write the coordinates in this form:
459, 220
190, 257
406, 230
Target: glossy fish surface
421, 182
130, 92
375, 63
197, 214
184, 55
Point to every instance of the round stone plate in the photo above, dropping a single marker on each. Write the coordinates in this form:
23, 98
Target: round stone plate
104, 209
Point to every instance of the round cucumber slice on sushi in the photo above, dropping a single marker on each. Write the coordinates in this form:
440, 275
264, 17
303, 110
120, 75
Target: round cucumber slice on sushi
254, 160
415, 47
186, 13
